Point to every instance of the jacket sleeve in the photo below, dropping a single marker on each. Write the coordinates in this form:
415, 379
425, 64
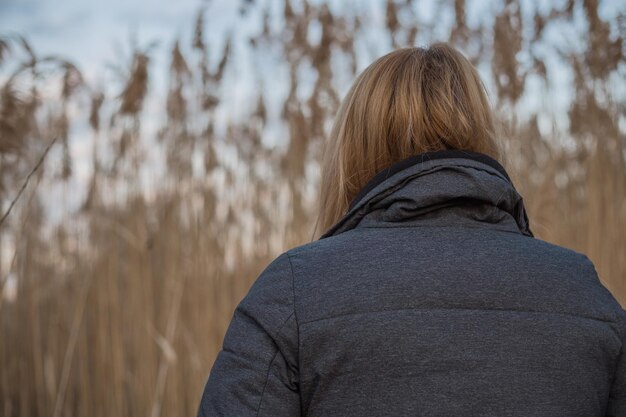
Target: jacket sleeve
617, 397
256, 371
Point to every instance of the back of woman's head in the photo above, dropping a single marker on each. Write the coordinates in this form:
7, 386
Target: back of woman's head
409, 101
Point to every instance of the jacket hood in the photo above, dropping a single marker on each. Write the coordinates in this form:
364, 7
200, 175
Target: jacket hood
447, 187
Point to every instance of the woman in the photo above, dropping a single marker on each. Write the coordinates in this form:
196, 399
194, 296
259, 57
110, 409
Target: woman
427, 294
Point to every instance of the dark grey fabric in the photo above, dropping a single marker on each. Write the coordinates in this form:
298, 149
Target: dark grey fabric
430, 297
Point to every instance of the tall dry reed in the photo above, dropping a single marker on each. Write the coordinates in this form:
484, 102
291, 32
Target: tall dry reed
119, 308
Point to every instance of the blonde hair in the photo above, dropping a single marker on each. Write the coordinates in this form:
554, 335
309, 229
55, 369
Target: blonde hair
409, 101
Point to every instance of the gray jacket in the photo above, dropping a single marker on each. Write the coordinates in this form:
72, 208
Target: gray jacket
430, 297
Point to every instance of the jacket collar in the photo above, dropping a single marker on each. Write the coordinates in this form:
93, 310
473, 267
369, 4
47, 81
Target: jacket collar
472, 187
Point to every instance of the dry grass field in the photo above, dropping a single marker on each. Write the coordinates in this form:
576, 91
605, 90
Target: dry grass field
117, 305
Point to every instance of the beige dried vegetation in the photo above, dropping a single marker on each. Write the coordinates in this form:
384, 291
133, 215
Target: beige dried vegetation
119, 308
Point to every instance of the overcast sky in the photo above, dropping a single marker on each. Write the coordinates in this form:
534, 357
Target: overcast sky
95, 32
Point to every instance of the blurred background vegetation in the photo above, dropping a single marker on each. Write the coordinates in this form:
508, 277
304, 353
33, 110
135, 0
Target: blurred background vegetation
136, 212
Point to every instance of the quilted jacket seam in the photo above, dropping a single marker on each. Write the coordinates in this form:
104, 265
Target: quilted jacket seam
295, 315
269, 367
457, 309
